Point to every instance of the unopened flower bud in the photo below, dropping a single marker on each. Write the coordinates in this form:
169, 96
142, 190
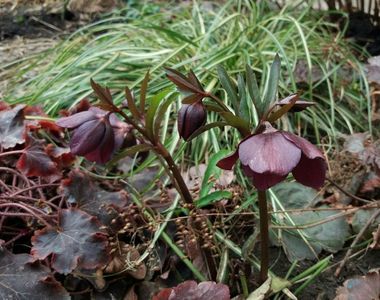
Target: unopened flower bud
190, 118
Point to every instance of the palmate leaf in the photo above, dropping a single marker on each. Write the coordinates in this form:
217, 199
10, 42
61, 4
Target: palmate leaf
191, 290
34, 161
19, 279
12, 127
81, 191
76, 242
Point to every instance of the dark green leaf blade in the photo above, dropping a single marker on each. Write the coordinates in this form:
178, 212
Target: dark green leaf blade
243, 108
274, 76
143, 89
230, 88
254, 91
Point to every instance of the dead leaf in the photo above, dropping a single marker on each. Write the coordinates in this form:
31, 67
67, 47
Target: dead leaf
360, 287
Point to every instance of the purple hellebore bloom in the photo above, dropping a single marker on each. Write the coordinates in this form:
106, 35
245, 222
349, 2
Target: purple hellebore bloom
269, 157
97, 134
190, 118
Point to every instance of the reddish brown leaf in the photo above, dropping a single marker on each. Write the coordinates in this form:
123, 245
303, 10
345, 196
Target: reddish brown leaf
190, 290
103, 94
76, 242
80, 190
35, 161
24, 281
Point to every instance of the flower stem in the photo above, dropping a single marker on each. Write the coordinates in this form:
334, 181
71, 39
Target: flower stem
176, 173
264, 235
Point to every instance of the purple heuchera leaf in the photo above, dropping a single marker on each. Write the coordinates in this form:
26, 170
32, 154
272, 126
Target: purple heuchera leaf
190, 290
268, 157
97, 134
19, 279
190, 118
76, 242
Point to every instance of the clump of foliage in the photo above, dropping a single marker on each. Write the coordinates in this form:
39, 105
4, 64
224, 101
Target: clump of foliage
79, 229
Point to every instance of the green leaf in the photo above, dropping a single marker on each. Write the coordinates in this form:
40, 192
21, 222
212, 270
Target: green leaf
143, 89
131, 104
129, 152
205, 128
230, 88
163, 108
244, 107
238, 123
212, 169
153, 106
274, 76
253, 90
212, 197
222, 275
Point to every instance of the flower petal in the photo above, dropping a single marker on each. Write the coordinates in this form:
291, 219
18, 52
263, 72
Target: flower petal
106, 148
306, 147
76, 119
269, 153
229, 161
263, 181
310, 172
87, 137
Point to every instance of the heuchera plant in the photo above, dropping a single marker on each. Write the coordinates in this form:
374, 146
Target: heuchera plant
267, 155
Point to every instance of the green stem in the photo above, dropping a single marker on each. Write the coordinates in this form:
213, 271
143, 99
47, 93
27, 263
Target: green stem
264, 235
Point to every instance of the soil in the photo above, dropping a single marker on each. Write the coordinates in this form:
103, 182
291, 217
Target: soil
324, 286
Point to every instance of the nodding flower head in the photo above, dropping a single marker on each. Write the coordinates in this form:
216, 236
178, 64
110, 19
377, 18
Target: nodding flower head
268, 157
97, 134
190, 118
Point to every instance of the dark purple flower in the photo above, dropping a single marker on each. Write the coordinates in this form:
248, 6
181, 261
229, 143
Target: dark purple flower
190, 118
97, 134
269, 157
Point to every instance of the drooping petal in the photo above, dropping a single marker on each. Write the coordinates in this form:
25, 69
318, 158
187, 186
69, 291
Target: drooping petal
306, 147
269, 153
87, 137
76, 119
310, 172
229, 161
263, 181
106, 148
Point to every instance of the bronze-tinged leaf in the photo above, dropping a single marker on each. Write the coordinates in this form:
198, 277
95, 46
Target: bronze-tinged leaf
104, 95
77, 242
132, 103
191, 290
299, 105
22, 280
81, 191
284, 108
12, 127
184, 84
34, 161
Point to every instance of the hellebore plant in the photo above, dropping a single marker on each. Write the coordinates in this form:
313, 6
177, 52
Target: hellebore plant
267, 155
